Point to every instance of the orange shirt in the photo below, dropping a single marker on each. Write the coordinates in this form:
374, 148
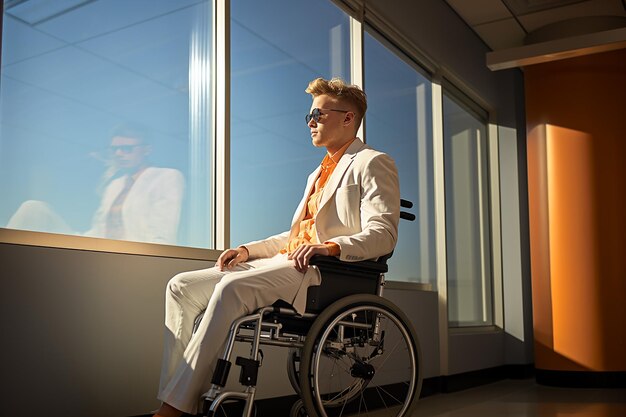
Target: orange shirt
307, 233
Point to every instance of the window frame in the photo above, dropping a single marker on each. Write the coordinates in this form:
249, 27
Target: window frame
220, 172
457, 96
471, 102
362, 19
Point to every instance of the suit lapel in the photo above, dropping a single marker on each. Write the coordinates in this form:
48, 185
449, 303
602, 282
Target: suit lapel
337, 175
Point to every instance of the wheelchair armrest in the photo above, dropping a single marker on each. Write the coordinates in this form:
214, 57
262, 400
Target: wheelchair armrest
333, 264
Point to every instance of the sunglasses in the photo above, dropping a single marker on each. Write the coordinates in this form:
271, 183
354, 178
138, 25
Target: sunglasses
316, 113
122, 148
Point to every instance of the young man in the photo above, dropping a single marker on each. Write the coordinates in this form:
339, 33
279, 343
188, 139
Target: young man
350, 209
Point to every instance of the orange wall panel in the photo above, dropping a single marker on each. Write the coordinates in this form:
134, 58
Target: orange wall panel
576, 124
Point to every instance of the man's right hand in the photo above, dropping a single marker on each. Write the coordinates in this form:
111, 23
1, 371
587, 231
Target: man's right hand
231, 257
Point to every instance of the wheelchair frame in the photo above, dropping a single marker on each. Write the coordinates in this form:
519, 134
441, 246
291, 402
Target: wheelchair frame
348, 288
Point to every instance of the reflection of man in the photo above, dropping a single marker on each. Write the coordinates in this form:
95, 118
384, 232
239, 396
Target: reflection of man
139, 202
350, 209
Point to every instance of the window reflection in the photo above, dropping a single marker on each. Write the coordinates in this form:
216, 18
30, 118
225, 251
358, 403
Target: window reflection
70, 76
138, 201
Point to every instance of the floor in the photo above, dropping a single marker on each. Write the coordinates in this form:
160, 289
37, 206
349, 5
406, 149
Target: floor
524, 398
509, 398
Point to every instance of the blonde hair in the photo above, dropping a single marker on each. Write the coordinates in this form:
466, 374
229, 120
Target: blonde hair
345, 93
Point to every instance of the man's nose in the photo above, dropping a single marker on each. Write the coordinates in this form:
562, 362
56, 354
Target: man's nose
312, 123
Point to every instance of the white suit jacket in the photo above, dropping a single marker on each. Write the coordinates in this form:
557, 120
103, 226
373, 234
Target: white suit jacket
359, 208
151, 210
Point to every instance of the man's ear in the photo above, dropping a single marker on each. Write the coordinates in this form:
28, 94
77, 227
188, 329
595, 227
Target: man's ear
349, 118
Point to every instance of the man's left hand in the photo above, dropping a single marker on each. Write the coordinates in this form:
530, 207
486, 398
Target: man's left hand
302, 255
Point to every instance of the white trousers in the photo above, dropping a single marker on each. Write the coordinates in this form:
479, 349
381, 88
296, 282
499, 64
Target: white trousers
189, 359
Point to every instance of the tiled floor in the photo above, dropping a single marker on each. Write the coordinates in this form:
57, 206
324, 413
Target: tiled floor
524, 398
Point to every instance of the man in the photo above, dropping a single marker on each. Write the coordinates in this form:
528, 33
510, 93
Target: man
139, 202
350, 209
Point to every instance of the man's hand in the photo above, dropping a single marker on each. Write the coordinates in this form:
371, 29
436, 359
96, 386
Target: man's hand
231, 257
303, 254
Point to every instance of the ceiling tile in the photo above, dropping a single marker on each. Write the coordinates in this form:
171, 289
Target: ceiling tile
501, 34
476, 12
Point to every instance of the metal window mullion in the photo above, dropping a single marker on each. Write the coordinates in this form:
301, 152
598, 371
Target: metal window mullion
481, 227
496, 224
440, 221
421, 97
221, 125
356, 60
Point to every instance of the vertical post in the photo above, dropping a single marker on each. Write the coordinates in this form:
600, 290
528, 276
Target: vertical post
356, 59
221, 136
440, 221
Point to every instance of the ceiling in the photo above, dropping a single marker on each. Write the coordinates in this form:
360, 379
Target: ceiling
505, 24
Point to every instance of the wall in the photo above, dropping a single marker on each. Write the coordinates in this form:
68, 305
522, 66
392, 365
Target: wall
81, 331
576, 149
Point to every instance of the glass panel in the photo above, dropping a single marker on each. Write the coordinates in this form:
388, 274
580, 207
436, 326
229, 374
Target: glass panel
274, 56
105, 119
467, 217
399, 122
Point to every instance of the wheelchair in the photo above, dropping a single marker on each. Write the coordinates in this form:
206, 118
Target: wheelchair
351, 353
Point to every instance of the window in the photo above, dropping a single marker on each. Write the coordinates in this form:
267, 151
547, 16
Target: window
107, 130
467, 215
105, 119
399, 122
273, 58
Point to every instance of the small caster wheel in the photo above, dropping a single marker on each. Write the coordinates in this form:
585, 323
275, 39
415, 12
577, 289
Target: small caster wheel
298, 410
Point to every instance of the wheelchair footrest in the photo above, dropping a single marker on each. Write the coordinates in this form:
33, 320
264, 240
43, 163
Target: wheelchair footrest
249, 371
220, 376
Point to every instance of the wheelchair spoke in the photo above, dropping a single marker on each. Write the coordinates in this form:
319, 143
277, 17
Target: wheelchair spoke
381, 397
379, 389
343, 407
389, 355
362, 401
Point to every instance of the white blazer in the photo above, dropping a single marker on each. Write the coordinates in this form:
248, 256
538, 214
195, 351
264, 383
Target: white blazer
151, 210
359, 208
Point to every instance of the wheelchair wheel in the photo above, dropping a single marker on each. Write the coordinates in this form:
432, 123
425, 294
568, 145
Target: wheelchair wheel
361, 354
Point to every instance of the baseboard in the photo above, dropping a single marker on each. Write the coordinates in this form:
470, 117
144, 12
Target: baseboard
581, 379
458, 382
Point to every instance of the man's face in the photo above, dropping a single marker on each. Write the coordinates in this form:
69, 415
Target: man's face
330, 130
128, 152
